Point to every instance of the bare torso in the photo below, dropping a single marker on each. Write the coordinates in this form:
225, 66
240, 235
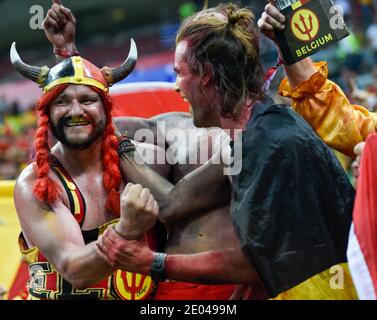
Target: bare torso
91, 187
211, 229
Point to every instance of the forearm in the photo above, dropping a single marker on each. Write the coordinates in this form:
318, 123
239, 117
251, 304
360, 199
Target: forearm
137, 172
69, 48
215, 267
204, 188
83, 266
299, 72
324, 105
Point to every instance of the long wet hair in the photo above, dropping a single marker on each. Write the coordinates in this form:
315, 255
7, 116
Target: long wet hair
229, 49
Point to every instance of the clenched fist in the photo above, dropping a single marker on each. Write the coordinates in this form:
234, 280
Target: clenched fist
139, 211
60, 26
271, 20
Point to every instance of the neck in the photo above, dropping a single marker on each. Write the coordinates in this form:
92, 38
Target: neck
234, 126
80, 160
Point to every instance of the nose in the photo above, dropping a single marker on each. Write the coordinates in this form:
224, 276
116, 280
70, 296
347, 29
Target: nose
76, 109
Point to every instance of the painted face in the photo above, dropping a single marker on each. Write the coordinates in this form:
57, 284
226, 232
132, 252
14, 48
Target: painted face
192, 89
77, 117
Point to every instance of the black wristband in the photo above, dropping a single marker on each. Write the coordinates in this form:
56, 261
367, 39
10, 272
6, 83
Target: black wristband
158, 267
125, 145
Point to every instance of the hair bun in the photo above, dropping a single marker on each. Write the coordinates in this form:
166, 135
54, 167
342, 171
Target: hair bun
233, 18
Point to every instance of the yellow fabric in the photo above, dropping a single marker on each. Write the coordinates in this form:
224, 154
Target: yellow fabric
324, 105
135, 287
75, 80
296, 5
10, 256
332, 284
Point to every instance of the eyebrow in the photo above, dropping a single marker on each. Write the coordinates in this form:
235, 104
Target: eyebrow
62, 96
80, 95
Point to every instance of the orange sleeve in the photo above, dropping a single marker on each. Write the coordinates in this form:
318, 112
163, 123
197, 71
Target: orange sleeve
324, 105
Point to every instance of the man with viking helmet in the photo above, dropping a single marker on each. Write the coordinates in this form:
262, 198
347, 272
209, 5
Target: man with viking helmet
70, 194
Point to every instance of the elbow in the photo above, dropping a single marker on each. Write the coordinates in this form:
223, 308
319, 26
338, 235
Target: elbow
166, 215
77, 282
76, 279
168, 212
80, 284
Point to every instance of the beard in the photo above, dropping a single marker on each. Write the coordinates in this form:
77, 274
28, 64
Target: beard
77, 143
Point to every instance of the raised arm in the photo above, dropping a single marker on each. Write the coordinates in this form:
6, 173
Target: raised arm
60, 29
320, 101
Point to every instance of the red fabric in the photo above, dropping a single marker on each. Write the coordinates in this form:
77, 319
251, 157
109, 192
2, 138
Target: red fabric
365, 209
147, 104
65, 53
18, 289
192, 291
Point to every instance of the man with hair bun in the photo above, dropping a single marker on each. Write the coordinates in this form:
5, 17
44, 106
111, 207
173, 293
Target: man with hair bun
292, 202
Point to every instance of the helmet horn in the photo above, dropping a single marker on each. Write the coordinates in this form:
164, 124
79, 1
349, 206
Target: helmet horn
36, 74
114, 75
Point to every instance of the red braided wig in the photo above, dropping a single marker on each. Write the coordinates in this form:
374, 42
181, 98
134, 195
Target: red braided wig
110, 158
45, 189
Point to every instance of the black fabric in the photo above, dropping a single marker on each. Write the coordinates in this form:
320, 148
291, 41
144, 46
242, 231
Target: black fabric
61, 70
292, 202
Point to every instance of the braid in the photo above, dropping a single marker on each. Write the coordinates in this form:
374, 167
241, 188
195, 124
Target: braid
45, 189
110, 161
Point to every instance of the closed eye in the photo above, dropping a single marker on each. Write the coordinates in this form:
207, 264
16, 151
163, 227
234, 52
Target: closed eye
61, 103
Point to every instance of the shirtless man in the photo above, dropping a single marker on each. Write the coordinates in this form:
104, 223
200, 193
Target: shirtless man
222, 93
69, 195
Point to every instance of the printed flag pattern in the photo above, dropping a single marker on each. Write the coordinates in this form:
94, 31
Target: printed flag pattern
362, 246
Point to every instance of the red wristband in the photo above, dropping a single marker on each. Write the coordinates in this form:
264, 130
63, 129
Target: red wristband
65, 53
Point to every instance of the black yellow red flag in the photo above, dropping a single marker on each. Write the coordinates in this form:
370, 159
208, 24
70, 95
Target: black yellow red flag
311, 25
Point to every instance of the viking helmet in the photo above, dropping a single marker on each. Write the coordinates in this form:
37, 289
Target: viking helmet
75, 70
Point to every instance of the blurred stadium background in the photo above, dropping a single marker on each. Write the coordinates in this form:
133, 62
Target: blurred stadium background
103, 32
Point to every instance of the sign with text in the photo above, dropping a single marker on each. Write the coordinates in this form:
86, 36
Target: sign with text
311, 25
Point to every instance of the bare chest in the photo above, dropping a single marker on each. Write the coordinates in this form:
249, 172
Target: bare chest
94, 197
186, 152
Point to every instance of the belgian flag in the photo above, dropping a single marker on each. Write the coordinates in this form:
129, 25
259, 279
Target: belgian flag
292, 207
362, 249
311, 25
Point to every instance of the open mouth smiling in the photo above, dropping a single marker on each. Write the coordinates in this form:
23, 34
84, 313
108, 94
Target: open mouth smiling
76, 124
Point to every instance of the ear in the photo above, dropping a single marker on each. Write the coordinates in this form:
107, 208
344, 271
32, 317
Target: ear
207, 74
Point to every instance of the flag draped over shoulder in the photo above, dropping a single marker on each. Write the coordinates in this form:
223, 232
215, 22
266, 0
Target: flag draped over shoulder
362, 248
292, 202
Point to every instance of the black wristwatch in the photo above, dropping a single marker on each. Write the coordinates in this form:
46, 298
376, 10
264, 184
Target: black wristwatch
125, 146
158, 267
